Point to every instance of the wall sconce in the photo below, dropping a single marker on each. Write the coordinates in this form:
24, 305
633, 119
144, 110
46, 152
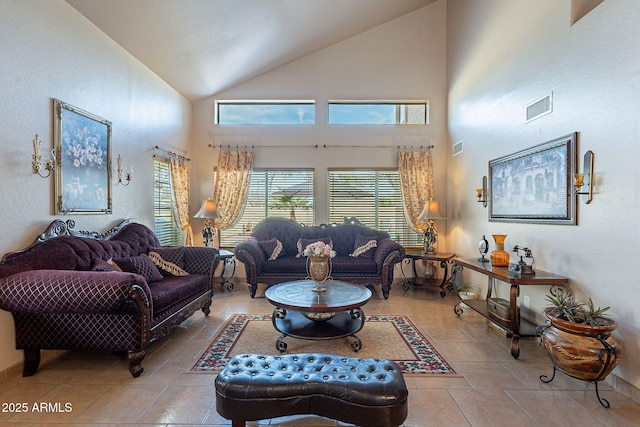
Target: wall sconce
482, 192
39, 163
122, 173
208, 210
585, 178
430, 212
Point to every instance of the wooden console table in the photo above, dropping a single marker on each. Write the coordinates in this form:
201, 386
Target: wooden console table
514, 326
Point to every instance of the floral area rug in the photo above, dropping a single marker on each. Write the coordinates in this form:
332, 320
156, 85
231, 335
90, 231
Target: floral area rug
390, 337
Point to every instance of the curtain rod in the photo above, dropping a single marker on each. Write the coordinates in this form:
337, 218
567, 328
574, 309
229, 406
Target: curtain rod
399, 147
171, 153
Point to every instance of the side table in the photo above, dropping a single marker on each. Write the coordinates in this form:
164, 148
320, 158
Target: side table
228, 260
443, 257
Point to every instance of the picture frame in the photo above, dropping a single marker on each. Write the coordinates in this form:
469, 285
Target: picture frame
83, 148
535, 185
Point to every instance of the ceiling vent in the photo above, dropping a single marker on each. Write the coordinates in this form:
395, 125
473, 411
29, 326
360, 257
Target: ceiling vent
456, 148
540, 107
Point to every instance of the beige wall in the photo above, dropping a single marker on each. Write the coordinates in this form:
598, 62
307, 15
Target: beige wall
502, 55
402, 59
49, 50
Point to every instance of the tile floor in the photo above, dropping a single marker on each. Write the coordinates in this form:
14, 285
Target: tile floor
88, 388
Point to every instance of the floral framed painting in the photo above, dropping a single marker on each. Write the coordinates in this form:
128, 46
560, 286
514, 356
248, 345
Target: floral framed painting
83, 146
535, 185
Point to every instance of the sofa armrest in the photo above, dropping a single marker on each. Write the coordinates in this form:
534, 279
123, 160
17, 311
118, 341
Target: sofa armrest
388, 253
71, 291
251, 255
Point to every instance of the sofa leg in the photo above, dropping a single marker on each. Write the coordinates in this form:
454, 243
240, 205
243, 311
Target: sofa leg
385, 291
253, 289
135, 362
207, 308
31, 361
238, 423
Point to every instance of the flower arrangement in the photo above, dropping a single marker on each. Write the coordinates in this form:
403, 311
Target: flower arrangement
319, 249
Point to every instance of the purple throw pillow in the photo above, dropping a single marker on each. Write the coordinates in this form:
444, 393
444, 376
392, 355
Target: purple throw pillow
141, 265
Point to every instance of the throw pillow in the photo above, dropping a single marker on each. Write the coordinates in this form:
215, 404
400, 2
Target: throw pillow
364, 246
272, 248
303, 243
102, 265
166, 266
141, 265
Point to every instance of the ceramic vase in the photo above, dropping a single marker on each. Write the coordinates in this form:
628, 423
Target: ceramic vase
499, 257
581, 351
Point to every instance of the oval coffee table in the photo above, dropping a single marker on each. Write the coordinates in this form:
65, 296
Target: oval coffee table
302, 313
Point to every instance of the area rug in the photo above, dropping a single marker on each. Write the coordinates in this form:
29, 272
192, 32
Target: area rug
390, 337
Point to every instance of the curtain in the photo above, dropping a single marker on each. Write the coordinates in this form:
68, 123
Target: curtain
180, 181
416, 183
232, 185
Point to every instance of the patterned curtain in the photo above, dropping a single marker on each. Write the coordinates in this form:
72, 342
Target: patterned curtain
180, 180
416, 182
232, 185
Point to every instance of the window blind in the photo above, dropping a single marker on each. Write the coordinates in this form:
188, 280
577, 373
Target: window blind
164, 221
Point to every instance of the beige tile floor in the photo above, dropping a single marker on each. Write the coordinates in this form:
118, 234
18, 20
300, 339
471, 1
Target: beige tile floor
494, 390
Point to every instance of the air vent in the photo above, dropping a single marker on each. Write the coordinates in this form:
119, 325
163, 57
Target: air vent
456, 148
540, 107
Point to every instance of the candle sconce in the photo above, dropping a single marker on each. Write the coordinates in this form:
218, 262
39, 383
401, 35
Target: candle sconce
482, 192
124, 176
585, 178
40, 163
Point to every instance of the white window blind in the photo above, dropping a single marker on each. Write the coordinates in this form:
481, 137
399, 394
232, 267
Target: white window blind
374, 198
274, 193
164, 222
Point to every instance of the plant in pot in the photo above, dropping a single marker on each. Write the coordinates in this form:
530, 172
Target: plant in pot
578, 339
466, 291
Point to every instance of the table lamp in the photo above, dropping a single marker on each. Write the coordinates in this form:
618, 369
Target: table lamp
209, 211
430, 212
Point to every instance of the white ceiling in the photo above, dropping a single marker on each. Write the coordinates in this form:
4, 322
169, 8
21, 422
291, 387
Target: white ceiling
201, 47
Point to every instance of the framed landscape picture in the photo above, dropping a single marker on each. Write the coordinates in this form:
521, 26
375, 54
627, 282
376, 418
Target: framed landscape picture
535, 185
83, 145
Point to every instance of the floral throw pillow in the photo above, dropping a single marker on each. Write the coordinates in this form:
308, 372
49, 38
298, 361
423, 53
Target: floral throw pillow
364, 246
272, 248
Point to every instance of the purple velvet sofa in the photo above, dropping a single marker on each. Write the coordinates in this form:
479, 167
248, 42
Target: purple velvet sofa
64, 294
372, 266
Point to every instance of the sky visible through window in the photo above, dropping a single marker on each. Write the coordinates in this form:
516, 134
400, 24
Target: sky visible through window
266, 113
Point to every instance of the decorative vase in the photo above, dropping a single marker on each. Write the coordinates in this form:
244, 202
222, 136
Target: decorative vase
581, 351
318, 269
499, 257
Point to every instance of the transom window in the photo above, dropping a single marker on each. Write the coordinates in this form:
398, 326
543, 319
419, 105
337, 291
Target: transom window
379, 112
372, 196
253, 112
283, 193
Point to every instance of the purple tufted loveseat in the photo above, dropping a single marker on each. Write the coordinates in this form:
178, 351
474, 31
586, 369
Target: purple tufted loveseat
63, 293
374, 266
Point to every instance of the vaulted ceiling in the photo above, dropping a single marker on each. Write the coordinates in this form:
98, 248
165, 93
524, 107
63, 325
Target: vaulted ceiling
202, 47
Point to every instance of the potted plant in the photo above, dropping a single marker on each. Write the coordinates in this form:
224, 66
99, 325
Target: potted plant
466, 291
578, 339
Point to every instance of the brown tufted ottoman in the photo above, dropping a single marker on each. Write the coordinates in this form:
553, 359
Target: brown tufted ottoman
365, 392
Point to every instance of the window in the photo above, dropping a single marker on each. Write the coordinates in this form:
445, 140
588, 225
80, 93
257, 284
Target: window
283, 193
374, 197
249, 112
165, 224
379, 112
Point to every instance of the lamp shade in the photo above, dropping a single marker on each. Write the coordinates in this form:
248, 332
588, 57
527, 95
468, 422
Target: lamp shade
208, 210
431, 210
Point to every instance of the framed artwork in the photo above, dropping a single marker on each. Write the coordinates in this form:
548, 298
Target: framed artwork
83, 147
535, 185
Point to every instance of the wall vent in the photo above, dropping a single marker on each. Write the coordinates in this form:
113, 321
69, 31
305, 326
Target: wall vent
540, 107
456, 148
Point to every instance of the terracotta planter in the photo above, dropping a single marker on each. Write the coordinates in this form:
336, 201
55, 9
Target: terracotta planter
581, 351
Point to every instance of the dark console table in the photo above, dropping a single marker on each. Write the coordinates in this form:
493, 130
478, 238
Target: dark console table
443, 257
514, 325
